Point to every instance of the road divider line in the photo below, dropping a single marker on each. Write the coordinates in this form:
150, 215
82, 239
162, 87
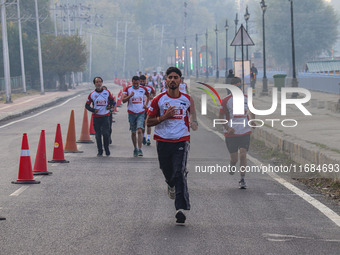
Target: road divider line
19, 191
35, 115
333, 216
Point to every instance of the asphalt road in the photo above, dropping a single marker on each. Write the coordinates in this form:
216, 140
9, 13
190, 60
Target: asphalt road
119, 204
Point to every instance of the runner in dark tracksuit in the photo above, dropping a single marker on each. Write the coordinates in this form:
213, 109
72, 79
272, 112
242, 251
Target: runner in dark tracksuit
102, 102
169, 112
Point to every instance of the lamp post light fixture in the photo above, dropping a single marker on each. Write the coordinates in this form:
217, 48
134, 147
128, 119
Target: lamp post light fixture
246, 17
217, 71
236, 22
226, 50
264, 80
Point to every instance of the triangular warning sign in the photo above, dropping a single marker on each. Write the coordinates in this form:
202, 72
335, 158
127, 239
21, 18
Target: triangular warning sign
242, 35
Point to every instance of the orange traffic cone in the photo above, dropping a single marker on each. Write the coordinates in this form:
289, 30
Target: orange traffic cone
71, 145
25, 175
58, 152
92, 131
85, 133
40, 164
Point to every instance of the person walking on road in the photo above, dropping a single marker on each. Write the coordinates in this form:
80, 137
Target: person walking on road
102, 102
112, 109
152, 93
237, 132
170, 112
137, 106
253, 75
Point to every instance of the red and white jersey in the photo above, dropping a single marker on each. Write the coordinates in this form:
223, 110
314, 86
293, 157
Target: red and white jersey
238, 122
100, 100
175, 129
183, 88
155, 79
151, 90
135, 103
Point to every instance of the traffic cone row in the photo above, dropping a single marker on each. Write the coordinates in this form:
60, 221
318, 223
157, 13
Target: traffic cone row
25, 174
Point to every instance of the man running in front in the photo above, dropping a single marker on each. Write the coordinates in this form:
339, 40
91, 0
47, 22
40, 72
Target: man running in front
169, 112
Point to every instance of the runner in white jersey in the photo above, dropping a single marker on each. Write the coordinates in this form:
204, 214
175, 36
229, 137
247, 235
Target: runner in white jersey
152, 93
183, 87
170, 113
134, 95
155, 80
237, 132
102, 102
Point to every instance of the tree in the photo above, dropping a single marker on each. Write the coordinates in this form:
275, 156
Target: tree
63, 54
315, 27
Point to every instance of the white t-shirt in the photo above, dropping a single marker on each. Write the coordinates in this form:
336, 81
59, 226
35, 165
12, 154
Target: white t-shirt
238, 122
183, 88
175, 129
135, 103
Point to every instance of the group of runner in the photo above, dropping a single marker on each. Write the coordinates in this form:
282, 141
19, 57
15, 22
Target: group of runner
173, 114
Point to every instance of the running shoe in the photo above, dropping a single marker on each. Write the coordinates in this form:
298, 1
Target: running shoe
135, 152
140, 153
180, 217
232, 169
144, 140
100, 153
242, 184
171, 192
148, 142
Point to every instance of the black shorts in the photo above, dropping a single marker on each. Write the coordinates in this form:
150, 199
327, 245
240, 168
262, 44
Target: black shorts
234, 143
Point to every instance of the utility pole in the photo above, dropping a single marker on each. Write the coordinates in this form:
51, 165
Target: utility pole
125, 42
7, 72
91, 29
161, 47
23, 76
55, 18
42, 92
206, 55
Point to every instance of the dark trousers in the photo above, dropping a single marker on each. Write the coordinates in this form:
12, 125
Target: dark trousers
172, 161
102, 127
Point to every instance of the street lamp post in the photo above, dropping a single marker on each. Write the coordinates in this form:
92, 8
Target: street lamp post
264, 80
217, 71
206, 54
246, 17
236, 22
196, 57
294, 81
226, 50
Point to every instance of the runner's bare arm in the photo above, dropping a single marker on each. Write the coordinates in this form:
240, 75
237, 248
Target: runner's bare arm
193, 117
153, 121
127, 97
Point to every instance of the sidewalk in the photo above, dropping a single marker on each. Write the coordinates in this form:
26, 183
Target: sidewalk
29, 103
316, 138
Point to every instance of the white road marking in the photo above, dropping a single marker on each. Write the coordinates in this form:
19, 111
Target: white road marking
279, 238
35, 115
19, 191
318, 205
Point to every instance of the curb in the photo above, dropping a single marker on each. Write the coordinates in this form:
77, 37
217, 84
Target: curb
37, 107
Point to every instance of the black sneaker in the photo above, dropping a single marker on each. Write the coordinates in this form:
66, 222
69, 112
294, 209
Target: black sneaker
100, 153
148, 142
144, 140
107, 152
180, 217
2, 218
242, 184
